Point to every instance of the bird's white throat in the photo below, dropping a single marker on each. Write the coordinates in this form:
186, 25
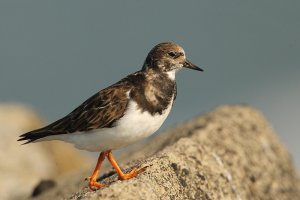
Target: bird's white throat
171, 74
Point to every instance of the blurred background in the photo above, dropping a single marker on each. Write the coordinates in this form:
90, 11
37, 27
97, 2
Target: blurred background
55, 54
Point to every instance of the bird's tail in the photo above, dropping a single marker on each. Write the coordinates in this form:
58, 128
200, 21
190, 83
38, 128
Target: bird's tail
32, 136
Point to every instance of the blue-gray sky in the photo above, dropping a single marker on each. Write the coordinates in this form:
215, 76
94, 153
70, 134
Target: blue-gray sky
55, 54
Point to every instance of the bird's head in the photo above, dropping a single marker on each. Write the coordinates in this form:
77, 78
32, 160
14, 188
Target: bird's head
168, 57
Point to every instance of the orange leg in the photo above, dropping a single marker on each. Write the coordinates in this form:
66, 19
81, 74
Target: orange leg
93, 179
121, 175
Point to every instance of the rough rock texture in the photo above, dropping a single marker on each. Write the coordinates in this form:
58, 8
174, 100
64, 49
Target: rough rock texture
22, 167
230, 153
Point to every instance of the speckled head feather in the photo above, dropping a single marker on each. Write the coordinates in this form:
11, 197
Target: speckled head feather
166, 57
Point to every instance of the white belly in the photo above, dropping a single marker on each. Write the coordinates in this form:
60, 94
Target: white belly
133, 126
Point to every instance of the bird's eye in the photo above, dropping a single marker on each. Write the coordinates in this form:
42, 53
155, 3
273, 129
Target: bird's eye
172, 54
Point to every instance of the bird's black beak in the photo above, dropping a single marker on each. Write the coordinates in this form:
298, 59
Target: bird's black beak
190, 65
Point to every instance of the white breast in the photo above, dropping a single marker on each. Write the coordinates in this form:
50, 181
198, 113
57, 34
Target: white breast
133, 126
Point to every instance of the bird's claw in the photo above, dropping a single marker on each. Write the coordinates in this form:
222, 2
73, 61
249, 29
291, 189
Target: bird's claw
132, 173
93, 184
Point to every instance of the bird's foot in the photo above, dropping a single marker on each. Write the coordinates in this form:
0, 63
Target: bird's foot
93, 184
132, 174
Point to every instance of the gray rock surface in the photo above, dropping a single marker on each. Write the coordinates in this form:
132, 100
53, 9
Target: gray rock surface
230, 153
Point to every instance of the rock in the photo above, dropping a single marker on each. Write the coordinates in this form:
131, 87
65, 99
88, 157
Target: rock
23, 166
230, 153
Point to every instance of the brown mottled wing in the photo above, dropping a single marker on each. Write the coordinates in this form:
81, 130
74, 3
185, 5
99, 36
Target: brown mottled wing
101, 110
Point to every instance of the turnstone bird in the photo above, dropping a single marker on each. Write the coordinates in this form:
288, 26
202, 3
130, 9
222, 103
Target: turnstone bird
123, 113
